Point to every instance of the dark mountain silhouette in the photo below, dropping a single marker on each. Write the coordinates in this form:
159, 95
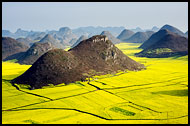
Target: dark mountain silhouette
125, 34
96, 54
26, 41
169, 45
155, 37
83, 37
49, 39
139, 37
110, 37
173, 29
10, 46
34, 52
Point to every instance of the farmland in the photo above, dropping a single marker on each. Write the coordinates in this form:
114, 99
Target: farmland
158, 94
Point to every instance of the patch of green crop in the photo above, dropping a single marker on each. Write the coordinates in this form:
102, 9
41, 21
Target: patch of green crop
31, 121
12, 61
122, 111
159, 51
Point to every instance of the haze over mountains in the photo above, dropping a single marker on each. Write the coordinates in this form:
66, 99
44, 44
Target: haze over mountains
139, 37
125, 34
66, 37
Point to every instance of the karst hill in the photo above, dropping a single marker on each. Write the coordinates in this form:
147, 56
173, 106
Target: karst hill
58, 66
12, 48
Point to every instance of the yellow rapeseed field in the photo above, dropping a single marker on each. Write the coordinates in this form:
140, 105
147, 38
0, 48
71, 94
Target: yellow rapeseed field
156, 95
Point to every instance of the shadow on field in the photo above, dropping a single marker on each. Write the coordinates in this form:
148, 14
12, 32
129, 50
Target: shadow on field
173, 92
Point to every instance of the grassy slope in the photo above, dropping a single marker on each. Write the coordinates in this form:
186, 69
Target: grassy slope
147, 96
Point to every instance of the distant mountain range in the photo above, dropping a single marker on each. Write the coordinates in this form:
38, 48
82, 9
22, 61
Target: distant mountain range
139, 37
65, 36
138, 29
88, 31
91, 31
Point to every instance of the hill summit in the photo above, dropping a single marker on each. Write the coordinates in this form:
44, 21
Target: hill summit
125, 34
173, 29
57, 66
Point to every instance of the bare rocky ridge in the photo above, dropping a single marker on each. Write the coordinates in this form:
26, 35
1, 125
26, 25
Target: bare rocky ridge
58, 66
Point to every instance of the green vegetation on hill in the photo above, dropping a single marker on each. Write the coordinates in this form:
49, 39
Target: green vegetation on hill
159, 50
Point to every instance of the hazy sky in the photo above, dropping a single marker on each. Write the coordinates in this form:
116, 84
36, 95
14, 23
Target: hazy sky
41, 16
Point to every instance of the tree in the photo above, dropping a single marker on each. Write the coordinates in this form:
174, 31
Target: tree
90, 74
